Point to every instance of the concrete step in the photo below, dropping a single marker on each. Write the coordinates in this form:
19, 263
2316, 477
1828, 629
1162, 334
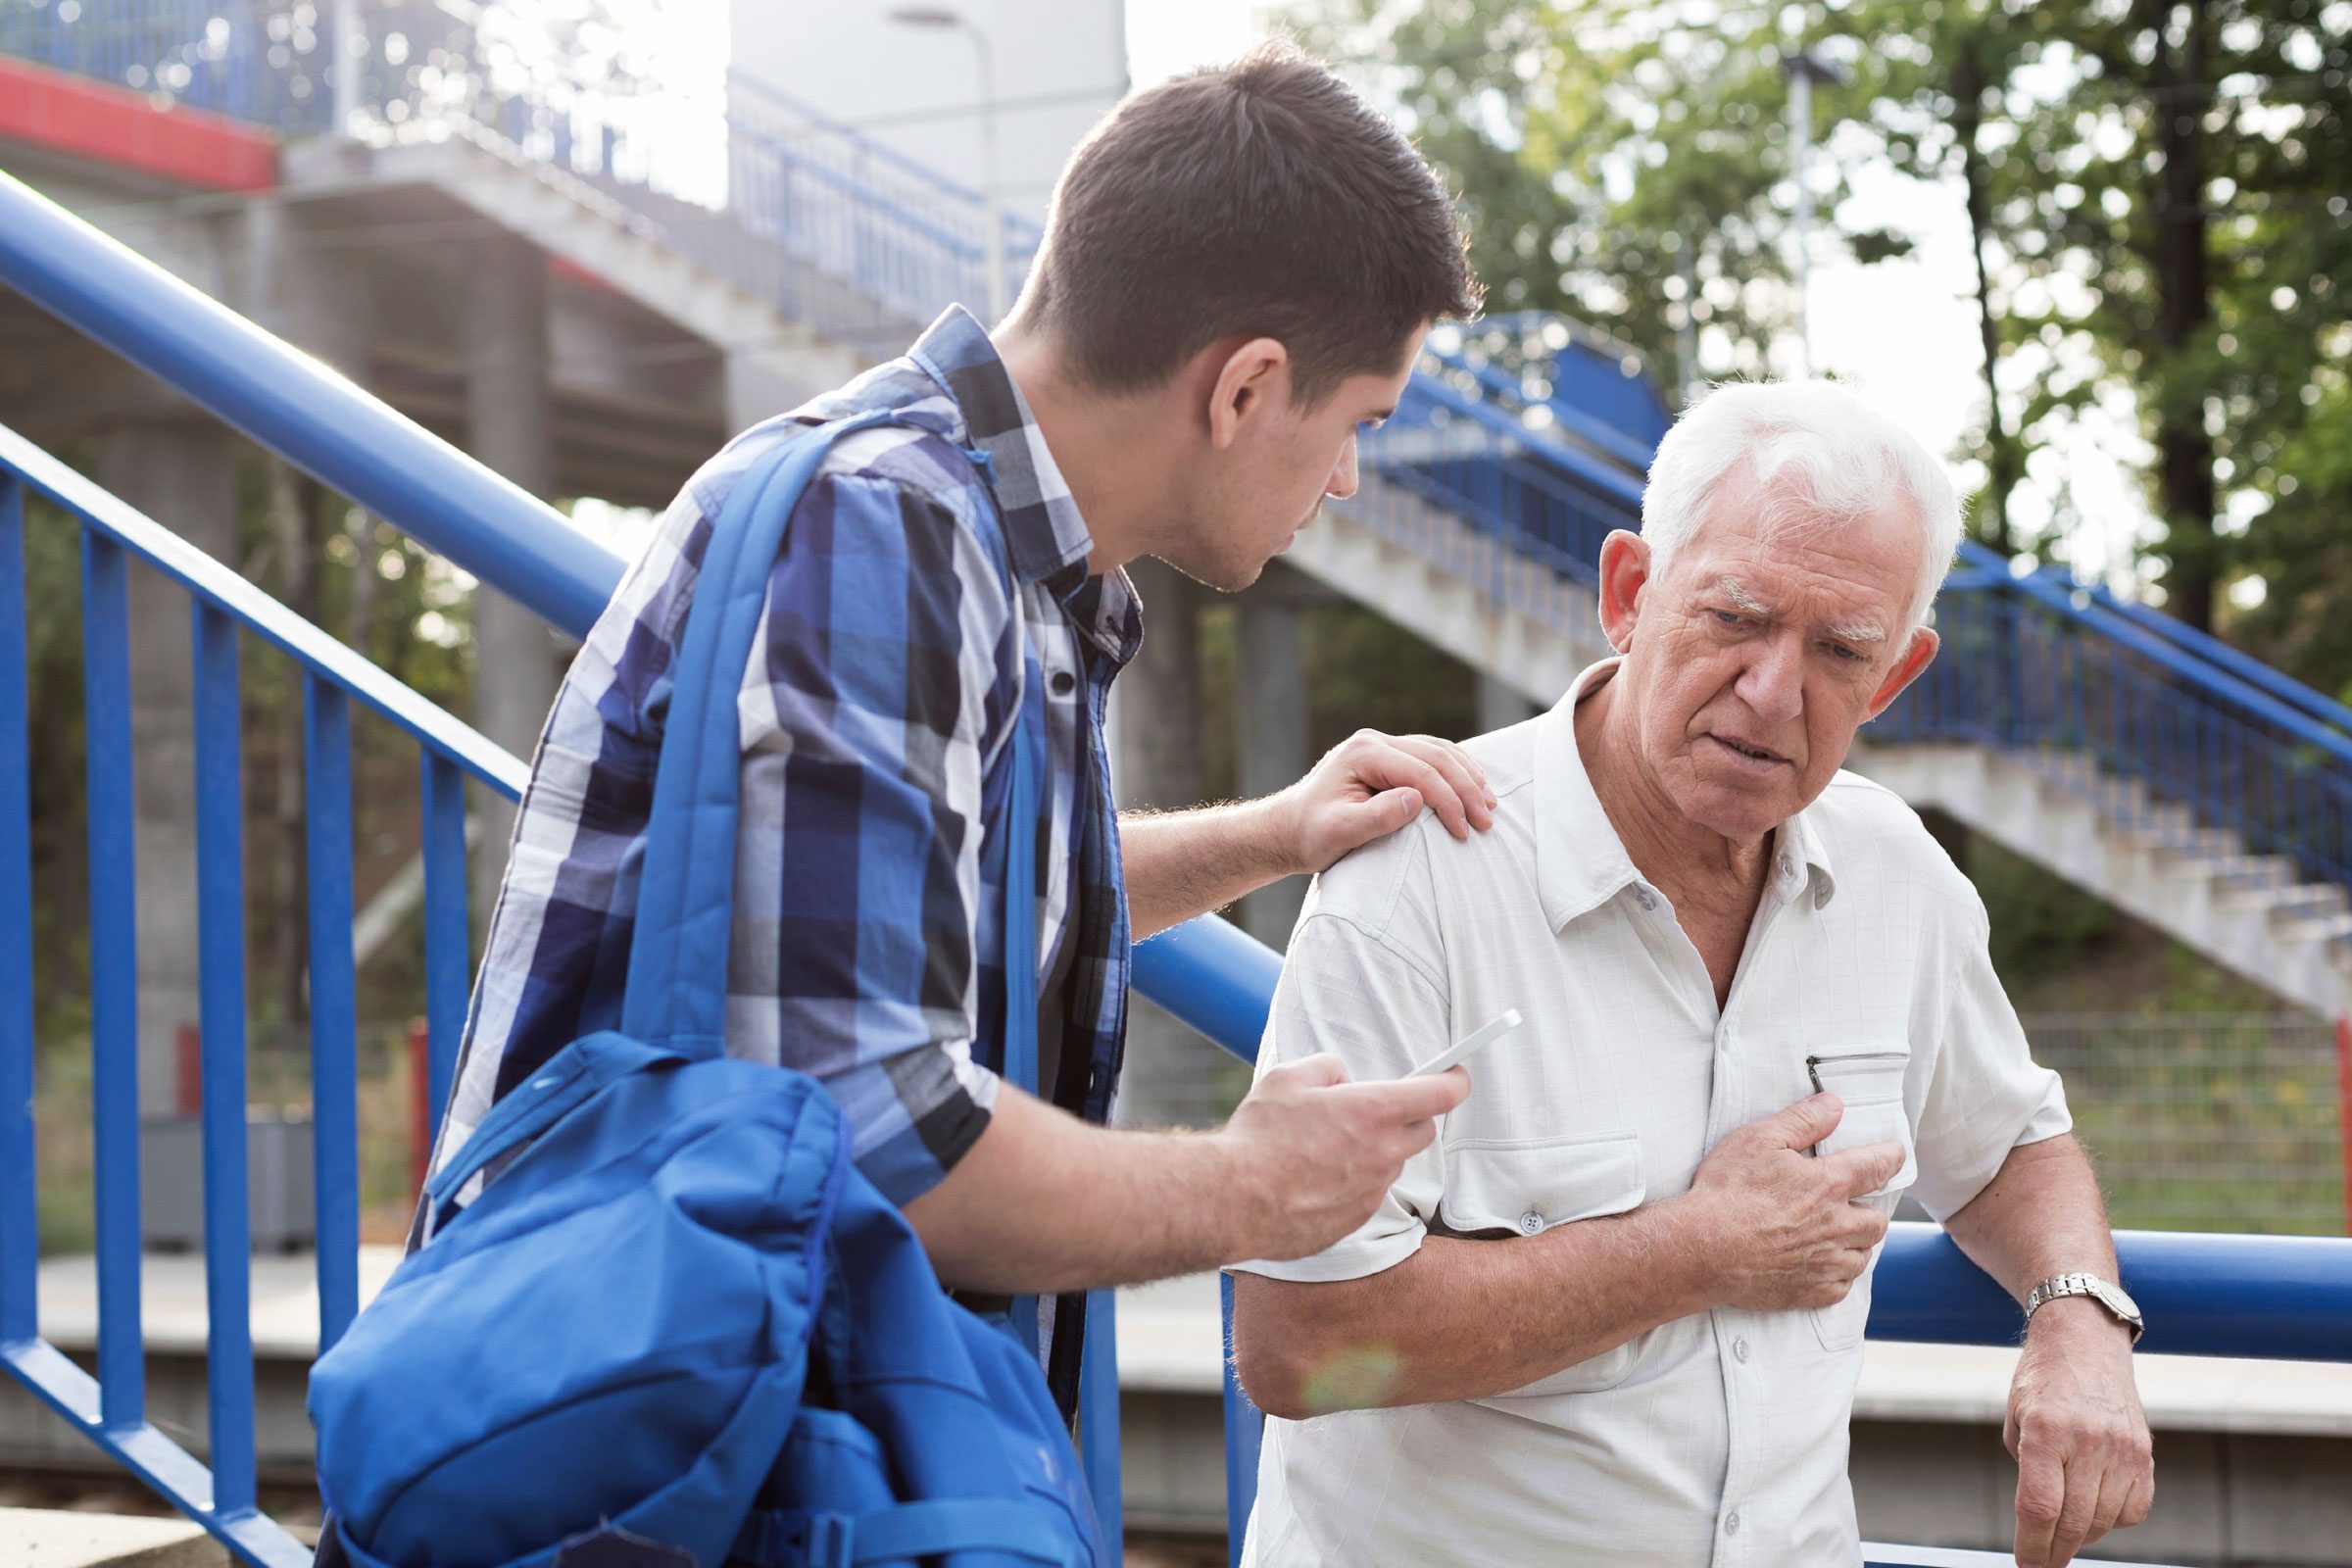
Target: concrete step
41, 1538
2327, 928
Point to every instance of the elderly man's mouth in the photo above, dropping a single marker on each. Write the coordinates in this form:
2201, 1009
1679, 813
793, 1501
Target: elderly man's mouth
1747, 755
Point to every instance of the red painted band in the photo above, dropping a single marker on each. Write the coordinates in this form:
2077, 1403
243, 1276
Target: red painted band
129, 130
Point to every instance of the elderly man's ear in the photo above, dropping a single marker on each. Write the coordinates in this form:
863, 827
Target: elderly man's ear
1623, 569
1916, 656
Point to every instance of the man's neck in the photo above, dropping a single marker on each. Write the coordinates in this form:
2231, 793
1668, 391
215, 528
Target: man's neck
1691, 864
1108, 448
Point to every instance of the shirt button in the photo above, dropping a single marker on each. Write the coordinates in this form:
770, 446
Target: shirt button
1788, 865
1531, 1222
1731, 1525
1739, 1350
1063, 683
1642, 897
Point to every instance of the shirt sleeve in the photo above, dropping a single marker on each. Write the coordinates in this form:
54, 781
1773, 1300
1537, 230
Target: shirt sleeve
867, 713
1362, 998
1987, 1096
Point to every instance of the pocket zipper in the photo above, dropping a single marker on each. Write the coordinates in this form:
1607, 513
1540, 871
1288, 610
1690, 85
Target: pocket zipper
1814, 1065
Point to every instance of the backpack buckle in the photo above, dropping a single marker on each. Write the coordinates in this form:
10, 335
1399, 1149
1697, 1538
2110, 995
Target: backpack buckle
829, 1540
798, 1537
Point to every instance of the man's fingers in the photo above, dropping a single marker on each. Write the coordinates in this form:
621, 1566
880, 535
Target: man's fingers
2040, 1496
1412, 1099
2076, 1515
1805, 1123
1453, 764
1867, 1169
1315, 1072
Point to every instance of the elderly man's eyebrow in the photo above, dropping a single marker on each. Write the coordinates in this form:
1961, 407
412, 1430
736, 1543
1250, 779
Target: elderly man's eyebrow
1730, 588
1860, 631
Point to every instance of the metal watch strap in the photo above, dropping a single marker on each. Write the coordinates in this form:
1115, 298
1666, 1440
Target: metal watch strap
2080, 1283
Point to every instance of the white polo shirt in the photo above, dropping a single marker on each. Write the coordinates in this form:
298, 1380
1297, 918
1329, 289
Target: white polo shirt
1718, 1439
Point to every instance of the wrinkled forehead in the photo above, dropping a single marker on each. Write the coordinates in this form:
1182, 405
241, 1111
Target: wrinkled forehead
1773, 544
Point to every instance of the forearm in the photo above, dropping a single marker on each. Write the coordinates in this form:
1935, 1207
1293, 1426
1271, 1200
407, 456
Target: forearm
1466, 1319
2040, 1216
1046, 1203
1182, 863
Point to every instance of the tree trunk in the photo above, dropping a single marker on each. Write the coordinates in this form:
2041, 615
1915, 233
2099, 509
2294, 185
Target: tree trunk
2186, 490
2001, 465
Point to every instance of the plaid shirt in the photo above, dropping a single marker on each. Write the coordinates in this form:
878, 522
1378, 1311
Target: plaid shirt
886, 677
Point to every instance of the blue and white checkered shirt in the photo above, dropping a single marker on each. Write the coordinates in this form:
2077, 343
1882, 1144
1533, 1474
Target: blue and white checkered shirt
884, 682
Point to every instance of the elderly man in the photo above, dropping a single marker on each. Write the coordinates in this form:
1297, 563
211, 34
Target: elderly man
1615, 1313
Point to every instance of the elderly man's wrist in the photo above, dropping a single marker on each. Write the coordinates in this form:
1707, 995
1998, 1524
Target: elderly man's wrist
2076, 1317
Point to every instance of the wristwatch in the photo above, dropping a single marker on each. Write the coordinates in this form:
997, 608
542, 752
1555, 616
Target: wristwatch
2106, 1293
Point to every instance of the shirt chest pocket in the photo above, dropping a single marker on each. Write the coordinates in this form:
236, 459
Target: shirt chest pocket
1503, 1190
1868, 1080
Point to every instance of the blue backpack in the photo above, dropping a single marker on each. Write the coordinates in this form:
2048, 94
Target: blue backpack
679, 1329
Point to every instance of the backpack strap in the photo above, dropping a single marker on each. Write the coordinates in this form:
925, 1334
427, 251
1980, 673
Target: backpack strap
676, 992
804, 1538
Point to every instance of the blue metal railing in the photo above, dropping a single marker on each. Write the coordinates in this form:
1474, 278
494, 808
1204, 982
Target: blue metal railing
1480, 465
111, 1407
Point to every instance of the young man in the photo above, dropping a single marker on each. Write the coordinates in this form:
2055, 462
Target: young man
1239, 270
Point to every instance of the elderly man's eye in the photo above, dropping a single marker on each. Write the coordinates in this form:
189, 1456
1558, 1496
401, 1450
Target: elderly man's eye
1851, 656
1727, 617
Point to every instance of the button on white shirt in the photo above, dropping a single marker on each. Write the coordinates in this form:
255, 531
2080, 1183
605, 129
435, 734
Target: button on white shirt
1718, 1439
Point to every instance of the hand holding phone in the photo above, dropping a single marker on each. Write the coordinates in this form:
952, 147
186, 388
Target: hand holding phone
1476, 1041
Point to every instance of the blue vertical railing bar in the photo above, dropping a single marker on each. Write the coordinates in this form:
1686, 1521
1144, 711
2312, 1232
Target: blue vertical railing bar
335, 1009
1245, 1432
1098, 1412
220, 1010
114, 973
19, 1209
448, 960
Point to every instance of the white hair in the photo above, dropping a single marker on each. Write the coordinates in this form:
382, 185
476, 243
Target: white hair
1820, 455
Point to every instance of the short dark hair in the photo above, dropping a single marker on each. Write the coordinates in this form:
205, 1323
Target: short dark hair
1262, 197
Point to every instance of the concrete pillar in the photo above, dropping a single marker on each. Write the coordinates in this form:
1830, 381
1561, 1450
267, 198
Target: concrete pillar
1274, 751
183, 473
1173, 1076
510, 427
1499, 707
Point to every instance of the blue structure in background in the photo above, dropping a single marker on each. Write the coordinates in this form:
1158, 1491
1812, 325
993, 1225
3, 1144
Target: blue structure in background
1535, 448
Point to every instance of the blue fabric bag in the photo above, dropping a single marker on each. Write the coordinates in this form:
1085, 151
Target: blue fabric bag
679, 1329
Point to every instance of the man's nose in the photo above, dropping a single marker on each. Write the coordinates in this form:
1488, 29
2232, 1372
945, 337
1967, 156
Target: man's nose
1773, 685
1342, 484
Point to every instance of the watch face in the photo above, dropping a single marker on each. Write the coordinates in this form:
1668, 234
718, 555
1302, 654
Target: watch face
2114, 1296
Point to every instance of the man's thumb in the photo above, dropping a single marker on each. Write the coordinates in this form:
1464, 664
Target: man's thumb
1809, 1122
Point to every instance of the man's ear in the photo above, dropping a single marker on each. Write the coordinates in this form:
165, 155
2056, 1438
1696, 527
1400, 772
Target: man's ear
1246, 377
1624, 574
1917, 654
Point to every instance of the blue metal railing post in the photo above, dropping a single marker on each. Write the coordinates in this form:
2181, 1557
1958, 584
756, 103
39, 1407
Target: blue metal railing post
448, 959
334, 1045
113, 974
221, 958
20, 1210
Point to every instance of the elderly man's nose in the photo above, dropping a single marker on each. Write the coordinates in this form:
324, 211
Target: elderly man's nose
1773, 682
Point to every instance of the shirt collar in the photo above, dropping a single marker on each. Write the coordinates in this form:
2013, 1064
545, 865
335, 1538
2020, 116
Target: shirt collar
1047, 537
1580, 861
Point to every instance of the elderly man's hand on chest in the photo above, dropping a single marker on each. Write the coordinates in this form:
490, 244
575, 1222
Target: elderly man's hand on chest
2085, 1459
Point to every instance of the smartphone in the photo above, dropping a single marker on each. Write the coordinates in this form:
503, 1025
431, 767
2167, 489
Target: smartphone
1461, 1050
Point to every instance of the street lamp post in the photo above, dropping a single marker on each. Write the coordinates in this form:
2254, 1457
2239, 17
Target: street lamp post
993, 227
1804, 68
